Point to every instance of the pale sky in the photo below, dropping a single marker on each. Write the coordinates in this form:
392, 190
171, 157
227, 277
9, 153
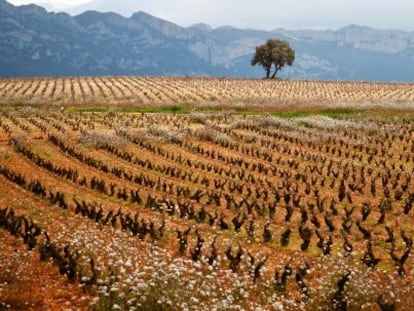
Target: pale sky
257, 14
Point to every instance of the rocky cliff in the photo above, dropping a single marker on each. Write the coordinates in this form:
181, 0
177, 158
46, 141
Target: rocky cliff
34, 42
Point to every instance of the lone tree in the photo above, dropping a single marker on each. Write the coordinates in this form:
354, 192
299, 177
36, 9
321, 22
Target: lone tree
273, 52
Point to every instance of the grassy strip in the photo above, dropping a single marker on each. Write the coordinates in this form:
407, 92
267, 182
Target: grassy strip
166, 109
286, 112
334, 113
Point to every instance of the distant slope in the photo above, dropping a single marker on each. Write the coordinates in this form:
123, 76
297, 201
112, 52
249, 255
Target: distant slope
34, 42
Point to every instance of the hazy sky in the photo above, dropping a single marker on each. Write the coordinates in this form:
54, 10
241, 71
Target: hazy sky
258, 14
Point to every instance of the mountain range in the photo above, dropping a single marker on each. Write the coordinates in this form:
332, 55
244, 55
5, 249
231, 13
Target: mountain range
35, 42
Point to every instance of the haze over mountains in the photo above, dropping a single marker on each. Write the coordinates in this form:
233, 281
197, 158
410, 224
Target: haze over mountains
34, 42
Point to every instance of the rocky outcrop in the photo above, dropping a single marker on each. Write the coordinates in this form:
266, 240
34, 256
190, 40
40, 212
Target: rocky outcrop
360, 38
34, 42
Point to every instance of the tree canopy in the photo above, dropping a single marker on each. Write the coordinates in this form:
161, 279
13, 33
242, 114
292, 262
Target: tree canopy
273, 52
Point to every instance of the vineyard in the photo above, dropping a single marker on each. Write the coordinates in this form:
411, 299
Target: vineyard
240, 94
204, 210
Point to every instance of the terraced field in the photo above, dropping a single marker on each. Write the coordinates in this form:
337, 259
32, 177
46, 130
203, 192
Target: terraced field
206, 210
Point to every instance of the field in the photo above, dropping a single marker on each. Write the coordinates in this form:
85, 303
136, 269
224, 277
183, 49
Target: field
205, 194
203, 93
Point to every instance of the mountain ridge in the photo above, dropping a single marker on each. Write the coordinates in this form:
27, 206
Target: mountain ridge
36, 42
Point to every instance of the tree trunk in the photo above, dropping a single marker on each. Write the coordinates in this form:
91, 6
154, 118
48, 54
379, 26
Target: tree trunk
267, 73
276, 70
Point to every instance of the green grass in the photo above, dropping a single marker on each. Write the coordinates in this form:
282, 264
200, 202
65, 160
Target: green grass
290, 114
340, 113
170, 109
87, 109
166, 109
334, 113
